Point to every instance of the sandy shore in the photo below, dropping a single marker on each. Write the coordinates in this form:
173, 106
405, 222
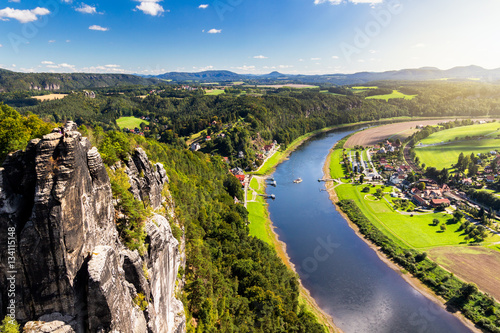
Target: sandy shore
413, 281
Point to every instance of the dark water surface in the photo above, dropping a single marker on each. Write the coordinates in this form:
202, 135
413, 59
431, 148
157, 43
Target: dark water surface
344, 275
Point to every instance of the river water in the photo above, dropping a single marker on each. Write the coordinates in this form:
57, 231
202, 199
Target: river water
344, 275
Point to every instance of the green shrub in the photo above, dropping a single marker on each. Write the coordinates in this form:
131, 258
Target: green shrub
9, 325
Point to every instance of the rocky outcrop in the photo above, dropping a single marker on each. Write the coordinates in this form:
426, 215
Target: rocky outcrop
71, 271
146, 180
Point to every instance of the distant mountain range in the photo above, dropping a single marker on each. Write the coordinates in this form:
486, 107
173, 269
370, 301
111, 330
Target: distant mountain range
11, 81
418, 74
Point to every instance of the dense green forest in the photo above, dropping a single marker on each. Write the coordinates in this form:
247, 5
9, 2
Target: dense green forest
244, 119
234, 282
14, 81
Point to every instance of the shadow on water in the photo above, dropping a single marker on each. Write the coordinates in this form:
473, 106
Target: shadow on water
344, 275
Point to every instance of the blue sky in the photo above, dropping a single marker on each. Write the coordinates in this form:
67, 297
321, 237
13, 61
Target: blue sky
247, 36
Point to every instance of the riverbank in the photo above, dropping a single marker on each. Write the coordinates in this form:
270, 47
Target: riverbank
258, 213
410, 279
279, 156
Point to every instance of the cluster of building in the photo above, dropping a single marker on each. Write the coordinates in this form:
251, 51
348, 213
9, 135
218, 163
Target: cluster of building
267, 150
240, 175
432, 196
136, 130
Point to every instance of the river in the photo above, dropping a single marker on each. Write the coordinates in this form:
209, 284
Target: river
345, 276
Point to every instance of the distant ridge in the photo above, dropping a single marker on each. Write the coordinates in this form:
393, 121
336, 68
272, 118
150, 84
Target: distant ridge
14, 81
10, 81
415, 74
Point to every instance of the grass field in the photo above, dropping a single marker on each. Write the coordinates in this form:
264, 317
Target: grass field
416, 231
487, 130
395, 94
214, 92
130, 122
260, 224
337, 170
444, 156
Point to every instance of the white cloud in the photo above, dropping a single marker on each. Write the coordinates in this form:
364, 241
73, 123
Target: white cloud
418, 46
335, 57
45, 62
86, 9
98, 28
102, 69
373, 51
150, 7
260, 57
1, 45
214, 31
24, 15
51, 41
201, 69
315, 59
285, 66
64, 66
14, 0
68, 41
112, 66
333, 2
338, 2
246, 68
203, 6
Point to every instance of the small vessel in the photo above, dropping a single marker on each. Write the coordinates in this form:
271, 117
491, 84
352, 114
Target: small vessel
298, 180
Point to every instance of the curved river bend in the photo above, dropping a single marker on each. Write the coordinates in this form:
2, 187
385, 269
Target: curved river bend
344, 275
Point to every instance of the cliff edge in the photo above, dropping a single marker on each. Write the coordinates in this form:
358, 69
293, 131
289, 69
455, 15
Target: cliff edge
65, 269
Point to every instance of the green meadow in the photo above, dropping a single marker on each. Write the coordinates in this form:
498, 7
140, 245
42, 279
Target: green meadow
395, 94
337, 170
130, 122
487, 130
414, 231
258, 215
446, 154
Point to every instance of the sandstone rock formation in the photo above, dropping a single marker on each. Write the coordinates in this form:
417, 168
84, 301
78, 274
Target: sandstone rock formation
72, 274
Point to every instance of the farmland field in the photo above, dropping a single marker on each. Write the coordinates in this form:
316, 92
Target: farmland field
214, 92
395, 94
443, 156
50, 97
372, 136
487, 130
364, 88
472, 264
130, 122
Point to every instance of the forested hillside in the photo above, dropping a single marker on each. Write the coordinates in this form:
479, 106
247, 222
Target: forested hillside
14, 81
233, 282
244, 119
